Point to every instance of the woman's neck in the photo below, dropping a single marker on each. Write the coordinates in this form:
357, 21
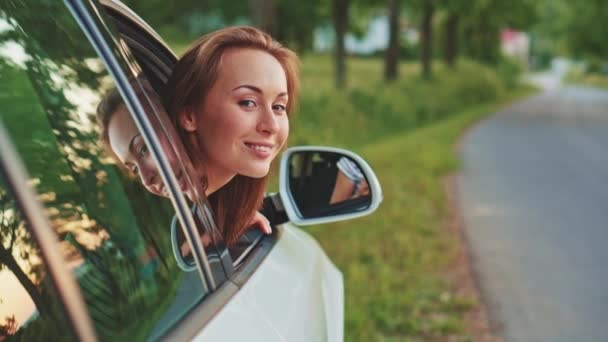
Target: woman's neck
217, 180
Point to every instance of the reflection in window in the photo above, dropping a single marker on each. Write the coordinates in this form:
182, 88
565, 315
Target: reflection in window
114, 234
29, 307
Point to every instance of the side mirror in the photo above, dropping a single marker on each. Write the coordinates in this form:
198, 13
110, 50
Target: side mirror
325, 184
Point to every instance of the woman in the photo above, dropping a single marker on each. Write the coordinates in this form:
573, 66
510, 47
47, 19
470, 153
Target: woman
229, 98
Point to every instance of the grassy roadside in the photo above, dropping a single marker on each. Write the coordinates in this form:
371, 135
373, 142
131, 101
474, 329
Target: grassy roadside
588, 79
394, 261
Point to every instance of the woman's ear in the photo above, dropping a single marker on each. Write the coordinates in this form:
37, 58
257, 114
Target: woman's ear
187, 120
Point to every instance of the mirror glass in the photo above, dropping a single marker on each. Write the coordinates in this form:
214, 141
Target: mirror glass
327, 183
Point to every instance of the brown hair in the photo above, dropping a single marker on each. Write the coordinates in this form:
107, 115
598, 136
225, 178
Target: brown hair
112, 102
196, 72
109, 105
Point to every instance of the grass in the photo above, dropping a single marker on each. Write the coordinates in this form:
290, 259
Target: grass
588, 79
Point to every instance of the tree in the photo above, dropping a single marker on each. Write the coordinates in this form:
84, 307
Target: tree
451, 39
391, 57
263, 15
297, 20
340, 21
15, 240
426, 37
485, 19
454, 10
587, 30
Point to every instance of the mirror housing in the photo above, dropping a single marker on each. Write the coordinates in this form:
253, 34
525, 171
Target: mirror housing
326, 184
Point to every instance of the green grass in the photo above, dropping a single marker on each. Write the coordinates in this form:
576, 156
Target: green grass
588, 79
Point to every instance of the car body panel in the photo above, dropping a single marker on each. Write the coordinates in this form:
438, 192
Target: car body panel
285, 298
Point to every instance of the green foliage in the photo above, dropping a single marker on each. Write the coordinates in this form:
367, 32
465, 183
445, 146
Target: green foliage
485, 18
588, 78
509, 70
587, 29
368, 109
574, 28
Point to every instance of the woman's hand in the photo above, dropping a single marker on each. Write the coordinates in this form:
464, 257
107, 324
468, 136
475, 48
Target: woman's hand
261, 222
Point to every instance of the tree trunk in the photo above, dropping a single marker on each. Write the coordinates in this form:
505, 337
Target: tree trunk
263, 14
426, 38
451, 39
7, 259
340, 16
391, 57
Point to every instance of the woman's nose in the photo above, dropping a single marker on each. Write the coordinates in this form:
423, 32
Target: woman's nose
147, 175
268, 123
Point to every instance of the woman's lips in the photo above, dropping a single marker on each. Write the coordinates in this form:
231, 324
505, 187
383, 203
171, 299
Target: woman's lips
262, 150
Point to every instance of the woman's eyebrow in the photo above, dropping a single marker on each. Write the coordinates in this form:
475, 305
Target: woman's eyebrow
250, 87
256, 89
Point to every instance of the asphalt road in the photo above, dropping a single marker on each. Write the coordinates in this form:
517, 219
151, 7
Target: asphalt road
533, 193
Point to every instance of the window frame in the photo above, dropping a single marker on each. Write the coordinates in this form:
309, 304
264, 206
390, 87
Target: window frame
120, 65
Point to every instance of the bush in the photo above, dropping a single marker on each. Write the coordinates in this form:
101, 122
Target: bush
369, 108
509, 70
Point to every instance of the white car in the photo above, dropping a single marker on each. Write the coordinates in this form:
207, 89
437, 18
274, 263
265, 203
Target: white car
86, 253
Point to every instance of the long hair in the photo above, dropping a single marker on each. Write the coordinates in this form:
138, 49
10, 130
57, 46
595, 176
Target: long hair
192, 78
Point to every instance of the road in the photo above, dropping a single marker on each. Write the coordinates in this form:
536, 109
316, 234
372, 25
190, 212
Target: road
533, 193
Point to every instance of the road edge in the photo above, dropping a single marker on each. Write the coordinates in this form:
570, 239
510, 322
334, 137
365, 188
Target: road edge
461, 273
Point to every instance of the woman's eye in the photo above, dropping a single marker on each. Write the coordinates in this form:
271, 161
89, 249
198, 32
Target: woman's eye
279, 108
142, 151
247, 103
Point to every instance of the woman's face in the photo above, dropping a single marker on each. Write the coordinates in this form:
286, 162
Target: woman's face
243, 122
129, 146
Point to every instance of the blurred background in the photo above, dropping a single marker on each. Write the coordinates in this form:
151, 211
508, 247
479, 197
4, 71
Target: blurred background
398, 81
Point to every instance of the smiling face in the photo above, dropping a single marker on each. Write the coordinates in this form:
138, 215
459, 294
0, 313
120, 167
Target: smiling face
242, 124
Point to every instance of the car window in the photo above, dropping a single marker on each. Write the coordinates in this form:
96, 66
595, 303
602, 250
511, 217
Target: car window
114, 234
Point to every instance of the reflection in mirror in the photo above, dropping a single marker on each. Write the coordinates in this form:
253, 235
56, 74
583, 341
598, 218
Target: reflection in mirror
29, 306
327, 183
125, 142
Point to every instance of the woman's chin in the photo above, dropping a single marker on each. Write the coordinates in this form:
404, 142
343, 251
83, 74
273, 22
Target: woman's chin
257, 172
